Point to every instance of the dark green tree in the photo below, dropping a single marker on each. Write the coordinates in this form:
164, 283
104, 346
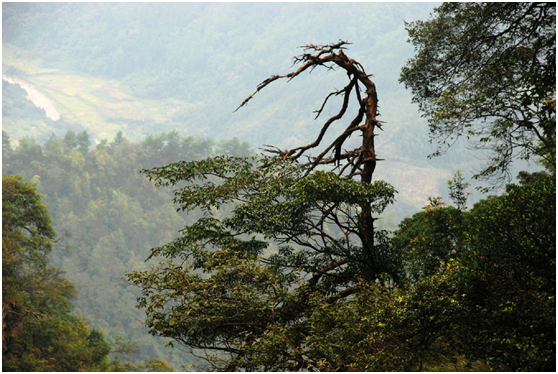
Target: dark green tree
6, 146
54, 148
487, 72
491, 303
118, 139
32, 151
129, 351
7, 151
276, 235
70, 141
233, 147
83, 142
39, 333
428, 239
509, 276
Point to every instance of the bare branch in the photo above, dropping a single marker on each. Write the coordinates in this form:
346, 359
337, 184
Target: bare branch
329, 56
319, 273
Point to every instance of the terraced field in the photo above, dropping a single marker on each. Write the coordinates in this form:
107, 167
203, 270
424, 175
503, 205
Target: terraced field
102, 106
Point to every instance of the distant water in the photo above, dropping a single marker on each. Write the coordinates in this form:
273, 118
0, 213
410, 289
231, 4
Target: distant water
37, 98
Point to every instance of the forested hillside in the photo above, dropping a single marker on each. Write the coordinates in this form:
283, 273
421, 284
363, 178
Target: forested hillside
39, 333
108, 217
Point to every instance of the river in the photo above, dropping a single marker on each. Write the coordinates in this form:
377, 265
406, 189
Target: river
37, 98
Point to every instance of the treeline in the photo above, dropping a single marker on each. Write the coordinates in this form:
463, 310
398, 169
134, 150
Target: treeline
108, 216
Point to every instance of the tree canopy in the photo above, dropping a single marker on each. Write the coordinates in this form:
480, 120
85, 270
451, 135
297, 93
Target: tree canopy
491, 292
278, 262
487, 72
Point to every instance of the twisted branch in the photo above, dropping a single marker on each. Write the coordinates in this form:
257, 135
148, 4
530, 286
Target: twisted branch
331, 56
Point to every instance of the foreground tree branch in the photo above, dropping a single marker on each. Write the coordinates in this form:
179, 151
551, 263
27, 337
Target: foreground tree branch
487, 72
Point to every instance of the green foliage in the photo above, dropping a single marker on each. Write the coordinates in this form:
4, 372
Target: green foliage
494, 300
487, 72
129, 350
241, 279
269, 271
510, 274
432, 237
491, 306
457, 187
155, 365
233, 147
6, 146
39, 333
428, 239
83, 142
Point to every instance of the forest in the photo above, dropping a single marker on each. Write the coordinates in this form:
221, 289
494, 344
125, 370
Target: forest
187, 238
104, 209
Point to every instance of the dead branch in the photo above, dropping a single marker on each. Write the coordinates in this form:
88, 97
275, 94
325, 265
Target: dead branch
329, 57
